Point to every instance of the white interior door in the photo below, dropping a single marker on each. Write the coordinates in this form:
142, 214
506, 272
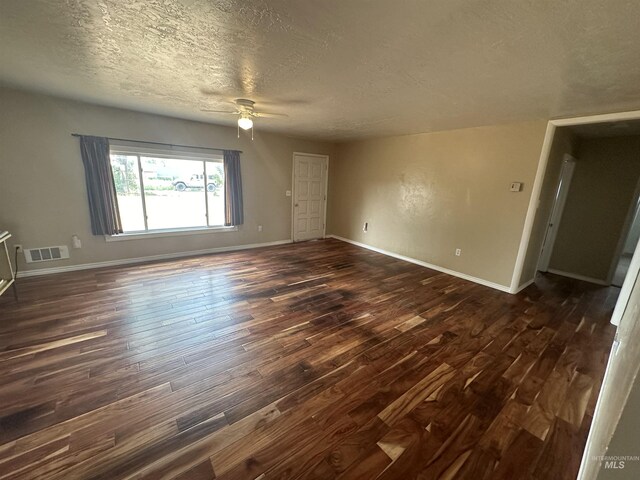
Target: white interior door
309, 196
566, 174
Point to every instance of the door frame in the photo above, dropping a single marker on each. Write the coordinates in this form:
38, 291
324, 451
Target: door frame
516, 279
566, 176
626, 228
293, 191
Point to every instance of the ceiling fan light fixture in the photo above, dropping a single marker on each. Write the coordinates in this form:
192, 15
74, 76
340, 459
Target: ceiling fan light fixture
245, 122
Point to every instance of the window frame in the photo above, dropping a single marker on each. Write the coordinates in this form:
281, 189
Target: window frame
140, 150
169, 232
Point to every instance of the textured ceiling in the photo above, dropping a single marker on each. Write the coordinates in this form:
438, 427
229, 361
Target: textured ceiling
340, 69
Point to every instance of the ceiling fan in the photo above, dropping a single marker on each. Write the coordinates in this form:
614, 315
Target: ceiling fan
246, 112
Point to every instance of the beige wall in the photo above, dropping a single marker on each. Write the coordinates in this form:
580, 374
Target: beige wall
426, 195
600, 195
563, 142
43, 198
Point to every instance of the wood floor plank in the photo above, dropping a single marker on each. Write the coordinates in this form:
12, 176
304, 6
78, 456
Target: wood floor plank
340, 457
315, 360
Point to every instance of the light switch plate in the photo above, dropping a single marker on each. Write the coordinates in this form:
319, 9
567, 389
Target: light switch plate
288, 193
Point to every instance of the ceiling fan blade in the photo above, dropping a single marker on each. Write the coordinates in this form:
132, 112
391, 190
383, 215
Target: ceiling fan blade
228, 112
270, 115
279, 102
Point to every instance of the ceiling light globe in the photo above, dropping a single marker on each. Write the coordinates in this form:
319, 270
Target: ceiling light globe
245, 123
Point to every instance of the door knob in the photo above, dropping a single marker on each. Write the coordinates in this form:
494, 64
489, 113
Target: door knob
296, 205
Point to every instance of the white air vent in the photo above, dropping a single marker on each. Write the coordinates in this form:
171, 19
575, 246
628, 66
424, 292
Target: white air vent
46, 254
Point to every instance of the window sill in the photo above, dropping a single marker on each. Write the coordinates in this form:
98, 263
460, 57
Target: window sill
177, 232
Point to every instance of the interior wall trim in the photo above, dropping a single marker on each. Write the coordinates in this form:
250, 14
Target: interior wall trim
532, 208
575, 276
151, 258
481, 281
525, 285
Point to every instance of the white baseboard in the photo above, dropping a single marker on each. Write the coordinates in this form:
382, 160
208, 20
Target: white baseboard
481, 281
524, 285
151, 258
575, 276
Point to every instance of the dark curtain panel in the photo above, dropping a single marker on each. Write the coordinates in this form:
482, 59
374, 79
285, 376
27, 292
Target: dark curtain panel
233, 208
101, 189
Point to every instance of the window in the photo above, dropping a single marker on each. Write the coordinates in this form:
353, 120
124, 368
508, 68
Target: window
159, 190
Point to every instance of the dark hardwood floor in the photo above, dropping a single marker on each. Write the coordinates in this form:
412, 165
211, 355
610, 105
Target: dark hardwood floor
318, 360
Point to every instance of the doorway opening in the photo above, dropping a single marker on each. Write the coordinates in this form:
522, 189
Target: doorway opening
596, 240
587, 224
560, 200
629, 241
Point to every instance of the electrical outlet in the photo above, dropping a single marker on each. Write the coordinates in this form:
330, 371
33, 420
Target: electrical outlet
259, 228
18, 247
458, 252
